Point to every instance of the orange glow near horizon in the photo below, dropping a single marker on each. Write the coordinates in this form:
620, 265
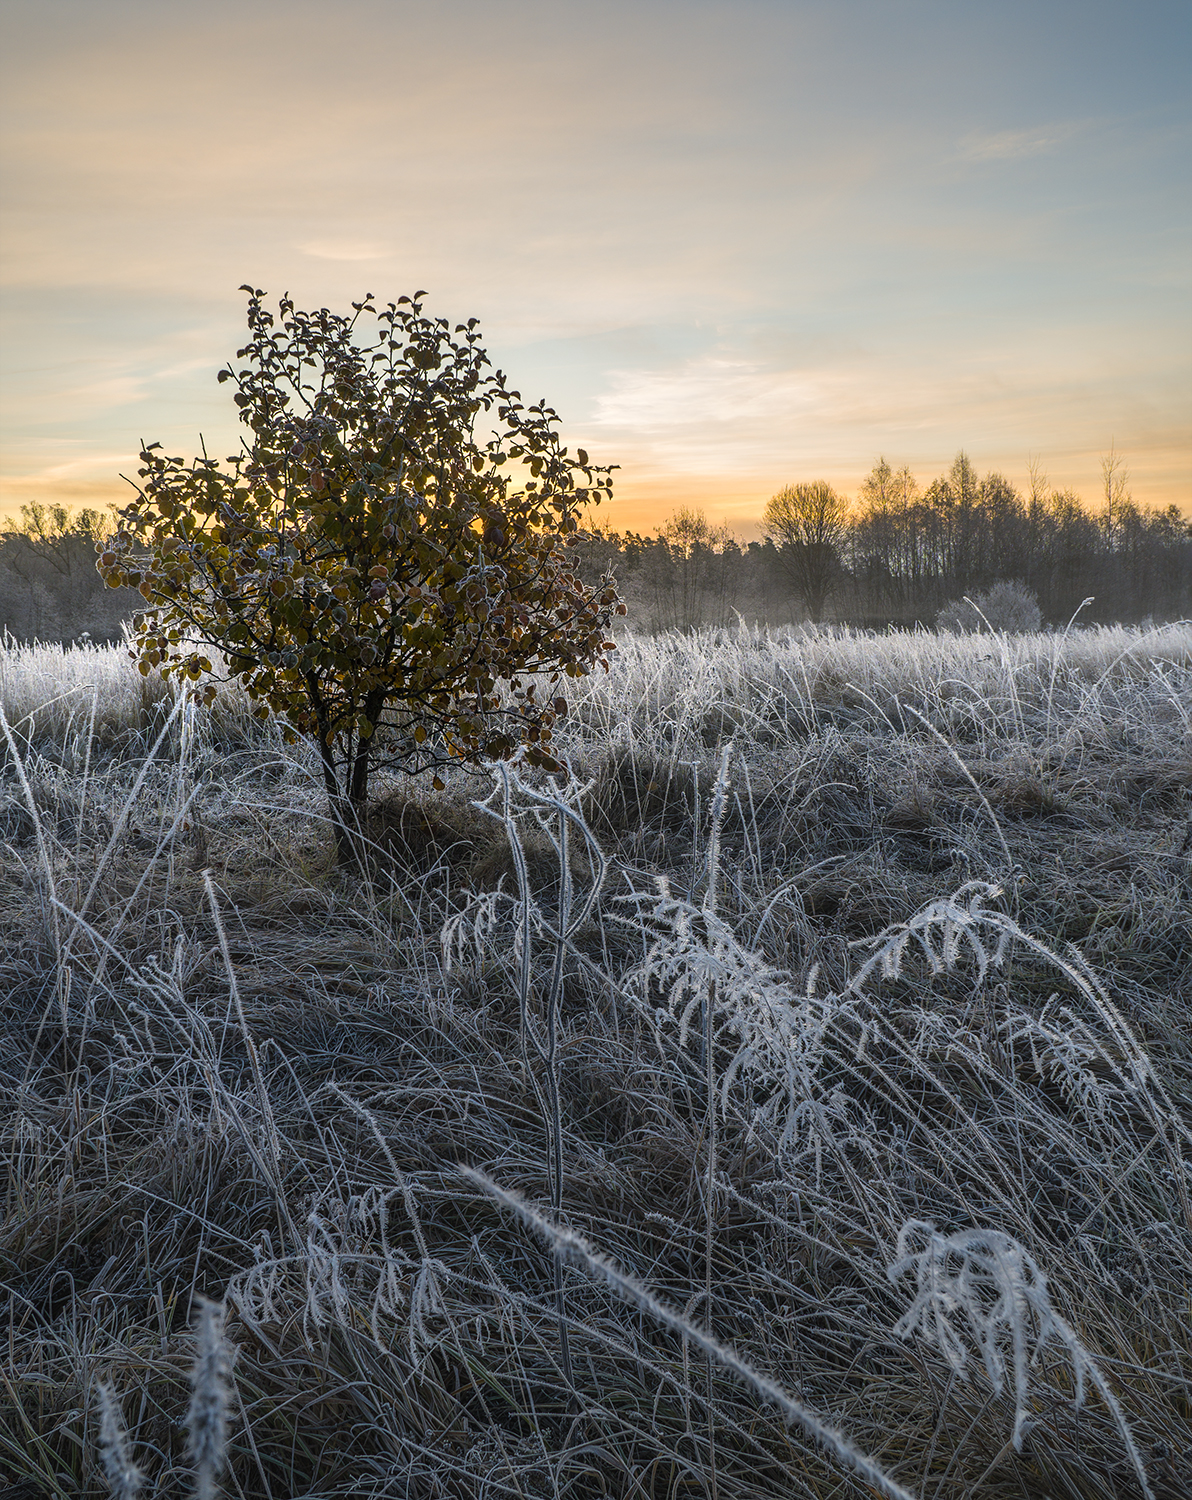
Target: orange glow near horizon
643, 503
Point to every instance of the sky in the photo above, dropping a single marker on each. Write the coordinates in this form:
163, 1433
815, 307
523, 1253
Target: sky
735, 245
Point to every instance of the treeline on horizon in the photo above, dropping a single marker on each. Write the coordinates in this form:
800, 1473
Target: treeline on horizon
903, 552
896, 557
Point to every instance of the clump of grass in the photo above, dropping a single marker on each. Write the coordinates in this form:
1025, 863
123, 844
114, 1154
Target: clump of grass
987, 1282
634, 793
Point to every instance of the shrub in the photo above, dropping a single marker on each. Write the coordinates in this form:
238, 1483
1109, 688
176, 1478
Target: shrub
1006, 606
372, 569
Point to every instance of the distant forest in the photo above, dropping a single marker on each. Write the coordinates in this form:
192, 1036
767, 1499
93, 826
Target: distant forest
898, 556
49, 587
903, 553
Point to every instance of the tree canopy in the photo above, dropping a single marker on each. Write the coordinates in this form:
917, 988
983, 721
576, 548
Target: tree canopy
811, 520
376, 569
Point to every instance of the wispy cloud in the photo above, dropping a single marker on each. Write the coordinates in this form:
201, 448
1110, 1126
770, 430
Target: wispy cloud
754, 424
93, 462
709, 413
1012, 145
345, 250
702, 391
90, 480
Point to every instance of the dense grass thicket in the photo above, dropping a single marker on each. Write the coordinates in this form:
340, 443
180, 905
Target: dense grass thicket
796, 1100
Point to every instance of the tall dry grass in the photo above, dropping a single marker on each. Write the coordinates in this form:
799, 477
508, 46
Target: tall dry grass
792, 1101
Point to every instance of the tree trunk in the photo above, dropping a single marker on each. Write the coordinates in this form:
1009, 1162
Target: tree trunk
347, 802
346, 811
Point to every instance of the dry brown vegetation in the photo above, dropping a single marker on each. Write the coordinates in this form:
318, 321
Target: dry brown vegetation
860, 956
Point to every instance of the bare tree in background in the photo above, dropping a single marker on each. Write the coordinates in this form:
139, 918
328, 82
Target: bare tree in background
691, 571
810, 523
49, 589
1040, 485
1115, 479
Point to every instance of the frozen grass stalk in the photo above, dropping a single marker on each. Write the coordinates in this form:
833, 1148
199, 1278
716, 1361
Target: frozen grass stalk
719, 798
576, 1249
123, 1477
207, 1418
983, 1283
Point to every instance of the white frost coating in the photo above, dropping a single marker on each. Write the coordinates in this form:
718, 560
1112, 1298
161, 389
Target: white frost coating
980, 1288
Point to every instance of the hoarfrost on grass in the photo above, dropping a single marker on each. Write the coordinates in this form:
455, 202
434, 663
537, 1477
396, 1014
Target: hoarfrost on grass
584, 1032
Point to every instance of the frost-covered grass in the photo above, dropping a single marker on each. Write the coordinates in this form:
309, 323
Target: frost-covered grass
1047, 690
796, 1101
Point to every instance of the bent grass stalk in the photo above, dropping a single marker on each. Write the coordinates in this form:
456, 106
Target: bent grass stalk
43, 852
988, 1281
577, 1250
123, 1477
547, 807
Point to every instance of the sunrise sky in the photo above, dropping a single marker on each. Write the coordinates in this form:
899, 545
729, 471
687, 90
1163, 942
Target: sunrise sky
735, 244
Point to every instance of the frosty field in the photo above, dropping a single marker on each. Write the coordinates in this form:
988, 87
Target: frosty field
796, 1101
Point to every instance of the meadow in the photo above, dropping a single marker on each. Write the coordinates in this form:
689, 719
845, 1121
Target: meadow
792, 1099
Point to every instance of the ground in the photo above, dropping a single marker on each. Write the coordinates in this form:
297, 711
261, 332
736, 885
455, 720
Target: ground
888, 969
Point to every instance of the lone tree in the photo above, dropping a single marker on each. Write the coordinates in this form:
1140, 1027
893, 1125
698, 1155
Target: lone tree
810, 522
374, 569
